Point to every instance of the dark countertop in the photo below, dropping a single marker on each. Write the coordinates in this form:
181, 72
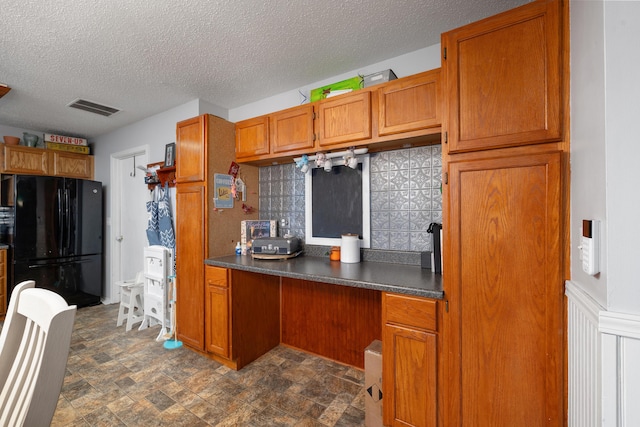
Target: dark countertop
381, 276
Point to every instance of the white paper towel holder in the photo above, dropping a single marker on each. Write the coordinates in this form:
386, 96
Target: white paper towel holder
350, 249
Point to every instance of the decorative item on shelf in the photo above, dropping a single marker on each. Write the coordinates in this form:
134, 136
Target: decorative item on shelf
11, 140
323, 160
303, 163
30, 140
169, 155
157, 174
320, 159
62, 139
350, 158
82, 149
328, 165
337, 88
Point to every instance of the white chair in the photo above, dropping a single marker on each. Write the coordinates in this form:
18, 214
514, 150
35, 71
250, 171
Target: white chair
131, 301
34, 348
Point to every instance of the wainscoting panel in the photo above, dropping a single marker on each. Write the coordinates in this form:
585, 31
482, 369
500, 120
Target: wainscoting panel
584, 359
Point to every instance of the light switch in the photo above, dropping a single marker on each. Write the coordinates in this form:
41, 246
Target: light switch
590, 246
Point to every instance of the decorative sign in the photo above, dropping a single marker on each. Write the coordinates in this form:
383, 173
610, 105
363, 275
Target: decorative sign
61, 139
222, 198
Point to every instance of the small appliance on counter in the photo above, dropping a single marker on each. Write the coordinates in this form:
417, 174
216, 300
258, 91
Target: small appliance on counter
276, 247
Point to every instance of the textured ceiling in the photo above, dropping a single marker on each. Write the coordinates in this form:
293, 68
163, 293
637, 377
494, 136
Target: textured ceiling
145, 57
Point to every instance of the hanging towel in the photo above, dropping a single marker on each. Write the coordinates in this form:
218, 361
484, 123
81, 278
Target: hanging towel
153, 229
165, 222
160, 224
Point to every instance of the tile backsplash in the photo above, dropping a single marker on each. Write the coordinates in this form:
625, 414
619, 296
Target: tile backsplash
405, 197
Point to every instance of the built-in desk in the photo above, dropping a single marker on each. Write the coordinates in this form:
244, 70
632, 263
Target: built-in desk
324, 307
378, 276
334, 310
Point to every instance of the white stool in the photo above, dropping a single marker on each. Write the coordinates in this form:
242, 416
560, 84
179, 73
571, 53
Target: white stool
131, 300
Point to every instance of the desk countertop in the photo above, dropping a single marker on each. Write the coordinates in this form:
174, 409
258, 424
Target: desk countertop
381, 276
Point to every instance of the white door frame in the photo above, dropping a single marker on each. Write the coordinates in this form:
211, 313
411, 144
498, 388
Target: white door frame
111, 294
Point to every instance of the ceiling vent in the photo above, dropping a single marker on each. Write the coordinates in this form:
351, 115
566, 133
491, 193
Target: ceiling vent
93, 107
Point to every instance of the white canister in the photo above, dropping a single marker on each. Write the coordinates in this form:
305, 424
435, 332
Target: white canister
350, 248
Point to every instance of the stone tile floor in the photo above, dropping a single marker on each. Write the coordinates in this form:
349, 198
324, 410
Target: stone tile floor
118, 378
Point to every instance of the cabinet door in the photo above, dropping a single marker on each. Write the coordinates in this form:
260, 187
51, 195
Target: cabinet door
72, 165
217, 310
252, 138
344, 119
191, 150
504, 330
292, 129
191, 251
409, 366
503, 77
409, 104
25, 160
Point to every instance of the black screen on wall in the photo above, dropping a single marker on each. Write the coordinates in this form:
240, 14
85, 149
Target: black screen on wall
336, 201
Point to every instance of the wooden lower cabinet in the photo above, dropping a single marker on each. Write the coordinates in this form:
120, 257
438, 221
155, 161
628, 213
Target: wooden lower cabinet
504, 330
409, 360
242, 316
217, 311
191, 250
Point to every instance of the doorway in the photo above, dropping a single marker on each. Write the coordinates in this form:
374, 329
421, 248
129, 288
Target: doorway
128, 217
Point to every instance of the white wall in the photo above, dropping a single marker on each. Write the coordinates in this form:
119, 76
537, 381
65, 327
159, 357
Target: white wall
622, 33
156, 132
604, 148
414, 62
12, 131
604, 185
588, 154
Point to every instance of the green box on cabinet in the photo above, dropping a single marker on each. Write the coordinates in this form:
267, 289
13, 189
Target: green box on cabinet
337, 88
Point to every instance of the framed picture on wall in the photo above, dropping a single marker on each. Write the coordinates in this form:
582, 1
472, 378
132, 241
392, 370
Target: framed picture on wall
170, 155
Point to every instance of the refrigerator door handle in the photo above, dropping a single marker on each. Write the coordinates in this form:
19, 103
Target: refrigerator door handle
67, 225
59, 263
60, 208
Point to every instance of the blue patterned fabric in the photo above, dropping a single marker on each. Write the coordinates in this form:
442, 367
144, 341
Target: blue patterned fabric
160, 225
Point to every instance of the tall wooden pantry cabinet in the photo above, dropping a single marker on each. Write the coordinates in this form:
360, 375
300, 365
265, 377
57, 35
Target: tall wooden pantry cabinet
205, 145
505, 210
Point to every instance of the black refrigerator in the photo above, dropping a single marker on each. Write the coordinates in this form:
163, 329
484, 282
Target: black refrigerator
57, 236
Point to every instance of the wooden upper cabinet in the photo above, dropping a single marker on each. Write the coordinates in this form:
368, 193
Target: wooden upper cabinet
292, 129
25, 160
503, 79
252, 138
191, 150
344, 119
72, 165
410, 104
